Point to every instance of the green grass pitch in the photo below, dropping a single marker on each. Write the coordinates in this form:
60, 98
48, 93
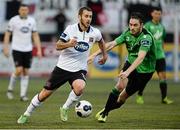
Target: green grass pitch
151, 115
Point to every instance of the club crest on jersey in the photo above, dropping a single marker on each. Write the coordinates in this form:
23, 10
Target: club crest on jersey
81, 46
24, 29
91, 39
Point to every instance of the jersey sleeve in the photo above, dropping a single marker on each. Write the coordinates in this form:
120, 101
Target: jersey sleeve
65, 35
10, 26
121, 39
98, 36
146, 43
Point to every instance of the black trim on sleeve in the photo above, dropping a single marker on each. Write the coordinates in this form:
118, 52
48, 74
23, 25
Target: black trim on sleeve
62, 40
100, 40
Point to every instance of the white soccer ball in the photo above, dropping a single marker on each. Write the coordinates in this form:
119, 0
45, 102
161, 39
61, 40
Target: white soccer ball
83, 108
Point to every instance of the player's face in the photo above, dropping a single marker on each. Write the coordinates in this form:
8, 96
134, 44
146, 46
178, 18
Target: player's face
156, 15
86, 18
23, 11
135, 26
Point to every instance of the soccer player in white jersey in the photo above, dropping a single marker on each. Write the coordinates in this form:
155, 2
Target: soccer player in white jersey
23, 29
74, 45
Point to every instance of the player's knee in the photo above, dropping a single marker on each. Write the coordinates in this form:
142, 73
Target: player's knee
79, 90
18, 72
120, 87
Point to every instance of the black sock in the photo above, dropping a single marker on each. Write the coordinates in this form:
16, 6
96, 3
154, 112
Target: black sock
163, 88
111, 103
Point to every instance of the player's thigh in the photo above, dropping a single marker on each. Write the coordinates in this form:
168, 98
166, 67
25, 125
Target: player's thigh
78, 81
18, 70
57, 78
27, 59
17, 58
137, 81
161, 65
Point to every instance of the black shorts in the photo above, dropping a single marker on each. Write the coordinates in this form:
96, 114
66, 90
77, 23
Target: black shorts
23, 59
161, 65
59, 76
136, 80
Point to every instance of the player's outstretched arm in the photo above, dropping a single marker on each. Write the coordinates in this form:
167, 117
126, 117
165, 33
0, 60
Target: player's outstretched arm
108, 46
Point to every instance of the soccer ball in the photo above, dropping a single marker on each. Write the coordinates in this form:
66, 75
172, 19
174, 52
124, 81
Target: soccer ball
83, 108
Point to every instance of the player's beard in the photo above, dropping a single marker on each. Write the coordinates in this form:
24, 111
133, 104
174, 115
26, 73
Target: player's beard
85, 26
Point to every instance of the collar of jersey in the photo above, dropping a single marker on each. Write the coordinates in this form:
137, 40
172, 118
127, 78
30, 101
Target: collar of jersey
22, 17
82, 30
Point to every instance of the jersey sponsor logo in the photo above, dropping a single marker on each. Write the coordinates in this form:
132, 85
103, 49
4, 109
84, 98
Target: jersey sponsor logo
112, 62
158, 35
24, 29
81, 46
145, 42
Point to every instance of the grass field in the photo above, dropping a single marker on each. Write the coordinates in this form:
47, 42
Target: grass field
151, 115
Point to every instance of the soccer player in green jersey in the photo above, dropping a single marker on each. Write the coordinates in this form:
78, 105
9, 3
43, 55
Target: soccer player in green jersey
158, 31
137, 70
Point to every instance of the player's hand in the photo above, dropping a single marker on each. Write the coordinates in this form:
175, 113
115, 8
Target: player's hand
91, 59
103, 59
6, 52
72, 42
123, 75
39, 54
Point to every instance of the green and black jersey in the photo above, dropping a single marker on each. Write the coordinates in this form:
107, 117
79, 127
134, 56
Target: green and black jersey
144, 41
158, 32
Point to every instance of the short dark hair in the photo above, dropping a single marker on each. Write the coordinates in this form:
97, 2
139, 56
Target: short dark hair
23, 5
137, 15
82, 9
156, 8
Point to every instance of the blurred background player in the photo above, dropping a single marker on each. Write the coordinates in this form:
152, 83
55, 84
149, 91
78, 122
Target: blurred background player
75, 44
158, 31
23, 30
137, 70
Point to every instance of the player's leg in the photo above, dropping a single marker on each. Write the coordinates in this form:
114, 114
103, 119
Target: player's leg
163, 88
113, 96
55, 81
35, 102
161, 71
17, 58
135, 81
78, 83
24, 82
111, 102
12, 82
